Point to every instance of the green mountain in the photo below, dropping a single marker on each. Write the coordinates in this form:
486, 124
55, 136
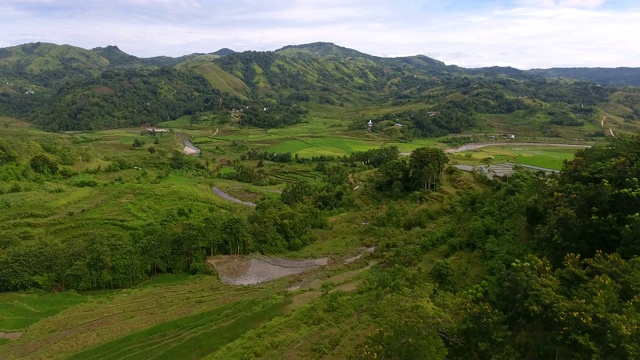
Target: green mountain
223, 52
618, 76
126, 98
45, 58
115, 244
115, 56
65, 87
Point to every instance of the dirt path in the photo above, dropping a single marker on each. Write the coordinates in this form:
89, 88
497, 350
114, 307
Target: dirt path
602, 124
228, 197
11, 335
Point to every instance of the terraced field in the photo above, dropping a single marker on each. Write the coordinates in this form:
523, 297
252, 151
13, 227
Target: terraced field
190, 337
104, 317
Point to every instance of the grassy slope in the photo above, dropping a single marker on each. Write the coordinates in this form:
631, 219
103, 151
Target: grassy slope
42, 57
218, 78
190, 337
21, 310
121, 201
170, 312
120, 313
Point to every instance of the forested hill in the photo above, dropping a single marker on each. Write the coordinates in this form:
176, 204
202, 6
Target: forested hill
619, 76
61, 87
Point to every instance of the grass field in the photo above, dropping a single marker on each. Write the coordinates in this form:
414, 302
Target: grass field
182, 316
20, 310
190, 337
106, 316
547, 157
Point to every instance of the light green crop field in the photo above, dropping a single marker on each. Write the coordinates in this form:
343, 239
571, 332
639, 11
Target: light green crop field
71, 323
547, 157
20, 310
191, 337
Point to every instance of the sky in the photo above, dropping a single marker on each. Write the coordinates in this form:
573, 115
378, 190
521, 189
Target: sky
471, 33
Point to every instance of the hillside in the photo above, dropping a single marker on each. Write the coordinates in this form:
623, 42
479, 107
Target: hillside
109, 238
619, 76
313, 202
45, 58
314, 77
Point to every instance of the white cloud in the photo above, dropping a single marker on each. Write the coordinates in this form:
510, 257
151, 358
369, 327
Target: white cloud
577, 4
536, 33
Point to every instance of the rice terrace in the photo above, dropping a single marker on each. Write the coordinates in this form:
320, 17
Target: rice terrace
314, 202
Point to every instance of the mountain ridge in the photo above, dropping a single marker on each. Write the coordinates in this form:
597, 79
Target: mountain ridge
320, 47
311, 75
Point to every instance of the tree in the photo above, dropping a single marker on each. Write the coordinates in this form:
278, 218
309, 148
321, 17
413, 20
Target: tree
592, 206
42, 164
427, 166
7, 153
235, 235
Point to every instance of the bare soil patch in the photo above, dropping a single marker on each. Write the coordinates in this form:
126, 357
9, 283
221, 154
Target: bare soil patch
228, 197
11, 335
241, 270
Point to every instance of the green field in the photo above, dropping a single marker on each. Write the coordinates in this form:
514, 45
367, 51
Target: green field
546, 157
75, 322
118, 190
21, 310
190, 337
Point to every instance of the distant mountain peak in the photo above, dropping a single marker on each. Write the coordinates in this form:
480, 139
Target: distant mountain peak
322, 49
223, 52
114, 55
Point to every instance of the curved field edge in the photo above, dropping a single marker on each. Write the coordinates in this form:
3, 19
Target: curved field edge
111, 315
191, 337
20, 310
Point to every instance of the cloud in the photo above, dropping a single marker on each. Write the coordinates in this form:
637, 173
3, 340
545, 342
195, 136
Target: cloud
576, 4
520, 33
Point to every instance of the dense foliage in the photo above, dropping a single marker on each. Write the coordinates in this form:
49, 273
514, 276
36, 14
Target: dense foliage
593, 205
129, 98
531, 266
579, 304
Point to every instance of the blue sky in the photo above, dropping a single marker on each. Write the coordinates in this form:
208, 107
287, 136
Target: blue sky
519, 33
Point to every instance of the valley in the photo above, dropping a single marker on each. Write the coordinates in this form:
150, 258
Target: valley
309, 203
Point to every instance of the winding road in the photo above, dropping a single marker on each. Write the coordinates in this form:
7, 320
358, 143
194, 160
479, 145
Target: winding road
602, 124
